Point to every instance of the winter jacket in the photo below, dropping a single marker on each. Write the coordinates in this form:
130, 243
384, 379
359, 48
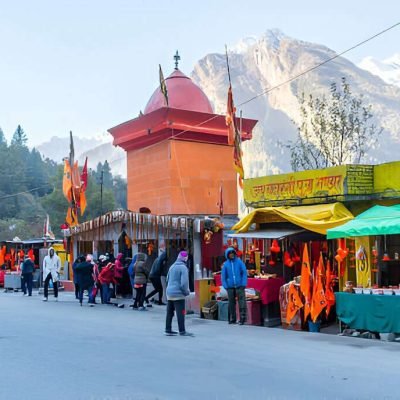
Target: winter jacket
119, 268
51, 265
178, 281
131, 268
234, 273
156, 268
106, 275
28, 267
141, 272
84, 275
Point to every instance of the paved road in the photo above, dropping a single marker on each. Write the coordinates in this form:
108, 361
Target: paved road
62, 351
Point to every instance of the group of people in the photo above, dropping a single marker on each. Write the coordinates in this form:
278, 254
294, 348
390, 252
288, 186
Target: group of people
98, 277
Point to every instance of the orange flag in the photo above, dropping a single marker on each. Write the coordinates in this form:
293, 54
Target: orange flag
318, 302
330, 296
305, 282
234, 137
83, 203
294, 303
230, 117
67, 183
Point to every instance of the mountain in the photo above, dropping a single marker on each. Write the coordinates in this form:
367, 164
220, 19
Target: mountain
97, 150
388, 69
57, 148
115, 156
274, 58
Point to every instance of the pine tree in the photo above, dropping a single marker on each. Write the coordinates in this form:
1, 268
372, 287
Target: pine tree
2, 138
19, 138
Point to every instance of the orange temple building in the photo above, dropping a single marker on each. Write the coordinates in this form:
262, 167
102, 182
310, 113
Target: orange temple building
178, 155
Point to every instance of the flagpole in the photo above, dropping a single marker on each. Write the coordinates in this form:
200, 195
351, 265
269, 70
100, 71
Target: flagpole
227, 64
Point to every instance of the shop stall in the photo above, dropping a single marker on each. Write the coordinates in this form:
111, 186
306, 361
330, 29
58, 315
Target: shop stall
372, 301
271, 243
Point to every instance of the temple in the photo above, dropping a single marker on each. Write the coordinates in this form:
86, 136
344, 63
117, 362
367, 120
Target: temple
178, 157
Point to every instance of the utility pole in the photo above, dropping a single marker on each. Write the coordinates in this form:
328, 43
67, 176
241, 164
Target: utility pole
101, 192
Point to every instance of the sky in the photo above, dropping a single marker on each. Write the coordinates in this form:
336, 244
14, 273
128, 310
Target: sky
88, 65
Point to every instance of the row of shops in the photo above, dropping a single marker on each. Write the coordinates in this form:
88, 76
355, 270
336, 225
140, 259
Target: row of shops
319, 246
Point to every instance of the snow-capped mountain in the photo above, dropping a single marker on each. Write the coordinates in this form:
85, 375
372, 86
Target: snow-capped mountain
260, 64
388, 69
263, 63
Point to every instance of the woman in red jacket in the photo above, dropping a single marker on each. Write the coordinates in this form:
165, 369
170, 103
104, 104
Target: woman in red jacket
106, 277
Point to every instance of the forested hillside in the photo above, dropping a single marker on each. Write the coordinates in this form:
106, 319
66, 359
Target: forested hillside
31, 187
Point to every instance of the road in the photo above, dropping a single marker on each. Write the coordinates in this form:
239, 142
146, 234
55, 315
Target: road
63, 351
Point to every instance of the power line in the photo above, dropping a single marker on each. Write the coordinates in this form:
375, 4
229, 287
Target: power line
24, 192
266, 91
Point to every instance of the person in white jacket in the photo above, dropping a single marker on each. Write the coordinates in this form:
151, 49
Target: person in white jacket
51, 270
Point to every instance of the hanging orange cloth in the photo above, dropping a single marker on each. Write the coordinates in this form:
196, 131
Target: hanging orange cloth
306, 282
318, 302
3, 252
294, 303
330, 296
31, 254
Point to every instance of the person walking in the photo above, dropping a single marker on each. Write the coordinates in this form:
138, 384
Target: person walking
177, 290
79, 260
141, 276
51, 271
234, 280
27, 269
84, 272
155, 279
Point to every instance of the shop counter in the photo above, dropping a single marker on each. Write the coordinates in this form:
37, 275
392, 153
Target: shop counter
375, 313
12, 281
268, 288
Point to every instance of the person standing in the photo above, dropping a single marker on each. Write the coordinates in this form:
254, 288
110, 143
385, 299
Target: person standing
106, 277
177, 290
141, 276
234, 280
84, 272
27, 269
155, 279
51, 271
79, 260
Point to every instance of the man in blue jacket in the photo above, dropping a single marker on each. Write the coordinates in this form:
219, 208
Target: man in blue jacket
234, 280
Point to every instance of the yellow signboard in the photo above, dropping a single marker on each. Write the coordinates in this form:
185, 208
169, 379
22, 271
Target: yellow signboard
296, 186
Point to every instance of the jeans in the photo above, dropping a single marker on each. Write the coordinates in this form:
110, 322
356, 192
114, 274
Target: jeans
27, 283
157, 289
46, 286
105, 293
140, 295
241, 295
76, 291
90, 292
179, 307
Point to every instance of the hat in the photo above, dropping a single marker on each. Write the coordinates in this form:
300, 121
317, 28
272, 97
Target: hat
102, 258
183, 256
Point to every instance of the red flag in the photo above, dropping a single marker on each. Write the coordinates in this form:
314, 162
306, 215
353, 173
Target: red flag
305, 282
84, 177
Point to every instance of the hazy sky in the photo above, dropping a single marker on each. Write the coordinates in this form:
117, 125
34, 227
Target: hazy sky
86, 66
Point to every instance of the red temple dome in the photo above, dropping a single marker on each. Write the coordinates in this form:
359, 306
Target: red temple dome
182, 94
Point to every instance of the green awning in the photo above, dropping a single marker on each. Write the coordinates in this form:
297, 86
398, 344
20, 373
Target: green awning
378, 220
